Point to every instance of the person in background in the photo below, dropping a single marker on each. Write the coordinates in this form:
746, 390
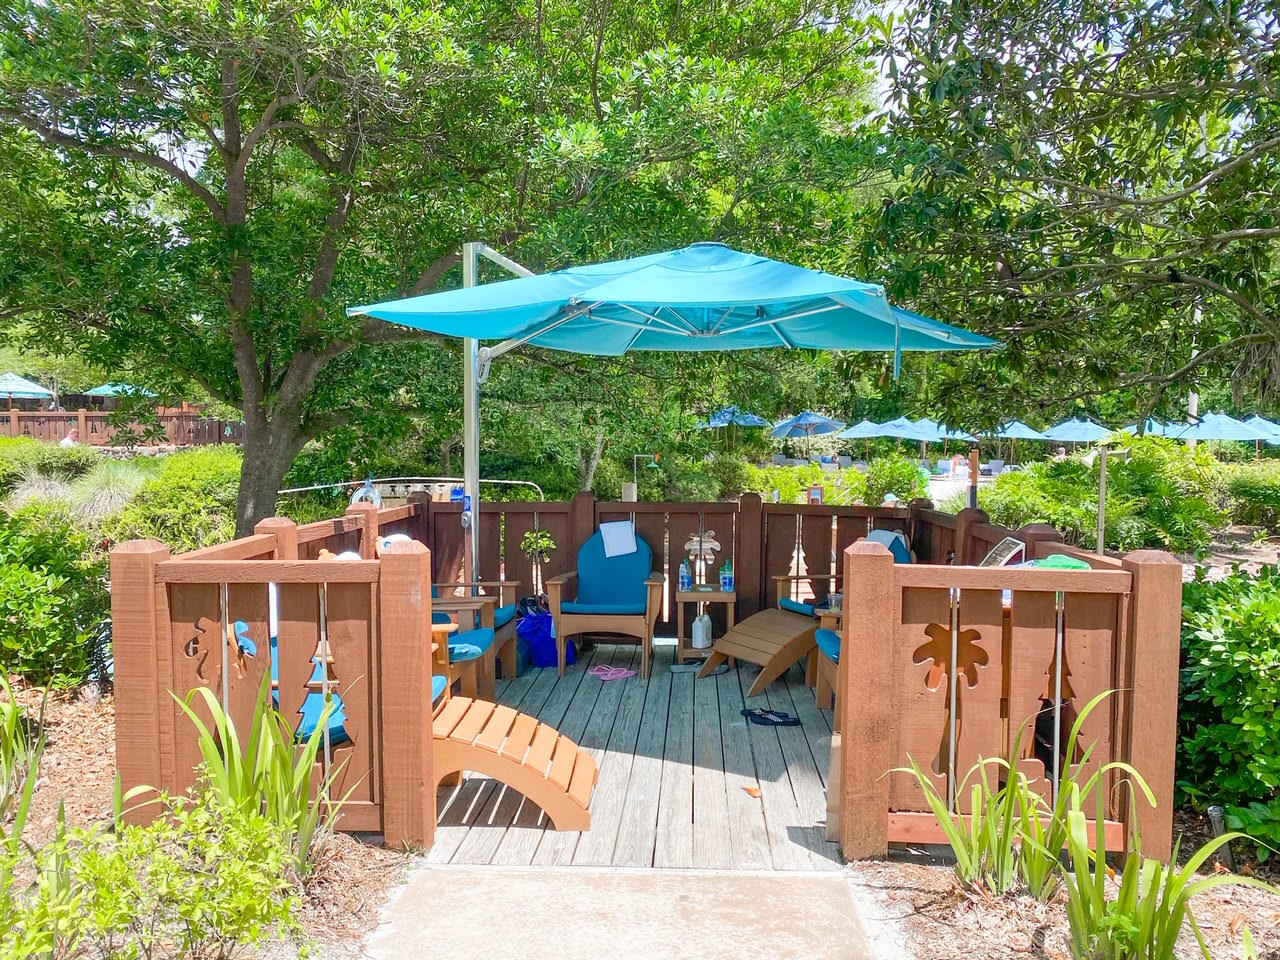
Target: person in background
1061, 454
71, 439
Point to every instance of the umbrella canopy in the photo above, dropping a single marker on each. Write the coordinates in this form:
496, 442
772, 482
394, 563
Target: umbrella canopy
1262, 423
1017, 430
20, 388
1219, 426
703, 297
942, 433
861, 431
114, 389
807, 424
732, 416
1152, 428
1077, 430
906, 430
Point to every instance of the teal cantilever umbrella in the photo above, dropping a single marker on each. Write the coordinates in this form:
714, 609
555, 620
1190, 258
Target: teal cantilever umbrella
114, 389
706, 296
20, 388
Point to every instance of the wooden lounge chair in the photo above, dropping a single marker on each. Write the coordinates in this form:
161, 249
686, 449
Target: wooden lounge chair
512, 748
618, 594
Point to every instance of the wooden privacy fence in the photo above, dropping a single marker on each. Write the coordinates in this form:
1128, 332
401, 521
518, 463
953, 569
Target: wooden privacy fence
945, 664
181, 427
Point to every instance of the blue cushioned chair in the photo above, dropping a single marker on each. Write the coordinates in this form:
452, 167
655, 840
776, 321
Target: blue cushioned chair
828, 666
613, 595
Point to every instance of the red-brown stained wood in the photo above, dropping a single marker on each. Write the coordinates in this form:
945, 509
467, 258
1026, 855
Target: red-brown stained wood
298, 626
404, 628
285, 533
367, 518
815, 553
247, 606
350, 615
779, 549
1033, 632
980, 733
920, 662
1155, 614
142, 705
514, 564
866, 700
448, 542
489, 539
554, 518
1090, 623
748, 569
195, 617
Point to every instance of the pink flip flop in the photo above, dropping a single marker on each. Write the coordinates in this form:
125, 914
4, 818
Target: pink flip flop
611, 673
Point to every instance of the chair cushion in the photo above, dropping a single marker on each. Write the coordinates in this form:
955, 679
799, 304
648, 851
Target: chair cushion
438, 685
613, 581
828, 643
503, 615
604, 609
469, 644
795, 606
895, 541
312, 706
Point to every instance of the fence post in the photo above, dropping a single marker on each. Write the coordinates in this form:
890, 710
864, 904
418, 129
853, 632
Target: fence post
582, 520
82, 424
368, 515
747, 565
139, 641
404, 665
286, 533
867, 711
1150, 675
1034, 534
913, 529
419, 525
965, 519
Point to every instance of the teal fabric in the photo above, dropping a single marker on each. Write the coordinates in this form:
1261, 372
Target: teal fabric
897, 544
438, 685
503, 615
312, 704
703, 297
828, 643
604, 609
612, 581
1017, 430
795, 606
1077, 430
469, 644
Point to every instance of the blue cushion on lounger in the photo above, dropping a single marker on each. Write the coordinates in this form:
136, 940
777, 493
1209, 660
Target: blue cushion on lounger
438, 685
828, 643
503, 615
795, 606
469, 644
603, 609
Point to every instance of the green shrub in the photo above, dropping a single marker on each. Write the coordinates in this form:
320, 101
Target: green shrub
841, 487
188, 501
1250, 493
730, 471
204, 881
23, 455
1162, 495
894, 474
1229, 709
53, 598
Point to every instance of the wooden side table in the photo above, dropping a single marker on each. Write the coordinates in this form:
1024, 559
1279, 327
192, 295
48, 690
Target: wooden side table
712, 595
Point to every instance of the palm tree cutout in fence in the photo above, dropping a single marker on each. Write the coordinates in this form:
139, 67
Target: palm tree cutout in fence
970, 657
701, 549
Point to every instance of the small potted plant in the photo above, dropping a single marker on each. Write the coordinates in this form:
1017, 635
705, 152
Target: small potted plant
536, 545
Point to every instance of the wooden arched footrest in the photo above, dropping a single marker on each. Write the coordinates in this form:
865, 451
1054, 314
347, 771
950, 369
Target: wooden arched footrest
514, 748
772, 639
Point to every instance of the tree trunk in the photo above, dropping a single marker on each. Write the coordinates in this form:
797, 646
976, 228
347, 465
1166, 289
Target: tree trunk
270, 447
587, 468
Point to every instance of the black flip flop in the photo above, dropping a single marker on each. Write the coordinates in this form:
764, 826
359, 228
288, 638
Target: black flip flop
770, 718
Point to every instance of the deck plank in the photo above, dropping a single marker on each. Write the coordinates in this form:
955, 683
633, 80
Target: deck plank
674, 842
637, 832
588, 722
781, 815
712, 847
596, 846
748, 834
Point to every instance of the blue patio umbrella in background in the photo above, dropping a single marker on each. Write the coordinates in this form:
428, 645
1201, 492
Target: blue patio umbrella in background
733, 417
1151, 428
1219, 426
1265, 425
943, 433
807, 424
114, 389
1077, 430
1015, 430
20, 388
706, 296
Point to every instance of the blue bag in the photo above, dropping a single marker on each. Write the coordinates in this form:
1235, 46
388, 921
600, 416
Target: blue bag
537, 630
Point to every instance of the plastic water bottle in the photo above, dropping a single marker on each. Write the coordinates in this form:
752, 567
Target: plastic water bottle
726, 577
686, 576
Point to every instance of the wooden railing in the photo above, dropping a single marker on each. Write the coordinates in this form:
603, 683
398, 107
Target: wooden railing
95, 428
946, 664
204, 619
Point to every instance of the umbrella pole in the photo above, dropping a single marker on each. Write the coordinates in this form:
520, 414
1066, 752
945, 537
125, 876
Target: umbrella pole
1102, 500
470, 427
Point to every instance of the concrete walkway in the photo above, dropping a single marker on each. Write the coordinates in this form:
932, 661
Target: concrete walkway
579, 913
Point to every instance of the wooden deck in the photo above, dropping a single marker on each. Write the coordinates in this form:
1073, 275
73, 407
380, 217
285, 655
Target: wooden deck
685, 780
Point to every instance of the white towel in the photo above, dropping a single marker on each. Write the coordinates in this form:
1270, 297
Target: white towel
619, 538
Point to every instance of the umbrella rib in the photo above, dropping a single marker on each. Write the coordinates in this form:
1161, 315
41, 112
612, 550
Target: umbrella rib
675, 313
723, 317
785, 342
648, 316
506, 346
772, 321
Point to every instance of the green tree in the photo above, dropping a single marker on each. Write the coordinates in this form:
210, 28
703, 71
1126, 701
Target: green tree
198, 188
1092, 181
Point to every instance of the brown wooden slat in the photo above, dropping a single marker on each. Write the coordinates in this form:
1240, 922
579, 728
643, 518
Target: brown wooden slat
267, 571
472, 721
1007, 578
495, 731
544, 742
562, 763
